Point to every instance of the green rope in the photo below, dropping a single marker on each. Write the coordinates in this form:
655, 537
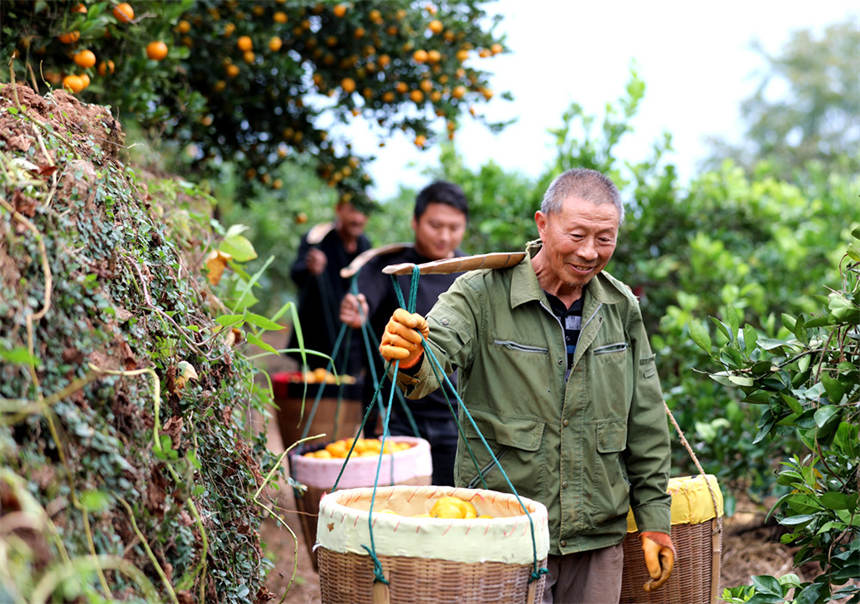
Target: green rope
437, 370
318, 397
415, 276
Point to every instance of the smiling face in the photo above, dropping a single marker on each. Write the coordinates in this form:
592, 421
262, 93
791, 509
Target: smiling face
578, 242
439, 231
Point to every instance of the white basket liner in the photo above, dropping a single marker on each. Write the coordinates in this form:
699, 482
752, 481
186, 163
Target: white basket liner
342, 525
361, 471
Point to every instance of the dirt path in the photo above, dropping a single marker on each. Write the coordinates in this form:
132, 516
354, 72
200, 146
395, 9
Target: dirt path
282, 548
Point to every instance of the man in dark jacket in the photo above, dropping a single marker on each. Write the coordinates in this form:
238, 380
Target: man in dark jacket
439, 222
323, 251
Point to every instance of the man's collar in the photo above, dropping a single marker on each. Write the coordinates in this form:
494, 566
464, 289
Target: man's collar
525, 286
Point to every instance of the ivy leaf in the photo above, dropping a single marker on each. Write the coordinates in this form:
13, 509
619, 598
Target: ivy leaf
95, 500
19, 356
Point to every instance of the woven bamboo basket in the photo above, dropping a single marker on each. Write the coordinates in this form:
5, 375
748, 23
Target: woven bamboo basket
412, 466
430, 559
696, 533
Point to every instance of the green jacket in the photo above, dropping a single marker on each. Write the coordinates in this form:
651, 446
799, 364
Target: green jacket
588, 447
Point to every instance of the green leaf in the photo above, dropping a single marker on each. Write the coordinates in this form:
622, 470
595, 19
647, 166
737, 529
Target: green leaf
758, 397
699, 334
750, 337
19, 356
95, 500
765, 584
262, 322
824, 414
258, 341
835, 500
834, 388
722, 328
230, 320
789, 322
741, 380
796, 520
238, 247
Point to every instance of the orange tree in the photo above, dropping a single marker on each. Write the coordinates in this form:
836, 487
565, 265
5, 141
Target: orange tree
257, 82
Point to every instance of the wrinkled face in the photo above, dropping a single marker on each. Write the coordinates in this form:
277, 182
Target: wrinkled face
578, 240
352, 222
439, 231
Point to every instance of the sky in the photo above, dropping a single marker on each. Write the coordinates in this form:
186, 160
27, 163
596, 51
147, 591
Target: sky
696, 59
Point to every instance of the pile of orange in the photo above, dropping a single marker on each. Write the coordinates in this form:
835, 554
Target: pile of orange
321, 376
364, 447
448, 507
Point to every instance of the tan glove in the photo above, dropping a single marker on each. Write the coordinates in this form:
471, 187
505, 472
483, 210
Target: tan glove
659, 558
401, 342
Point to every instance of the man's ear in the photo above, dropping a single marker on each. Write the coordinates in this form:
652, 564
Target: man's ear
540, 221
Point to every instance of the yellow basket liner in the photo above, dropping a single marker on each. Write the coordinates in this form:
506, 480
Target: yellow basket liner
691, 501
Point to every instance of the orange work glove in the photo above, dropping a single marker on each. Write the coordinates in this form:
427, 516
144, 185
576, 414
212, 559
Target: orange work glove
401, 342
659, 558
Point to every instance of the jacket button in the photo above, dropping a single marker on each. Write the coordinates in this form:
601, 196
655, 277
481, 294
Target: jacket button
560, 361
565, 423
563, 543
564, 484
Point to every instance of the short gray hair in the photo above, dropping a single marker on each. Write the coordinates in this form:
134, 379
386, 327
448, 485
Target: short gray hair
582, 183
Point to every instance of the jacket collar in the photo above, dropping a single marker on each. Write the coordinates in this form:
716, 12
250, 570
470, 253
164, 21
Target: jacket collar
525, 287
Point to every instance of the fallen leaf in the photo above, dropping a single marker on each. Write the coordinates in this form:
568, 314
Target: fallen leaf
216, 262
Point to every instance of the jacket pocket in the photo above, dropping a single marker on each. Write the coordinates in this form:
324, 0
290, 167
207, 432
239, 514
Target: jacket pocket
610, 488
610, 348
516, 346
516, 444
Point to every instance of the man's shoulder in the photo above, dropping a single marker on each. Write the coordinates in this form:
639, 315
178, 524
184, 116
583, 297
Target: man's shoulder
615, 287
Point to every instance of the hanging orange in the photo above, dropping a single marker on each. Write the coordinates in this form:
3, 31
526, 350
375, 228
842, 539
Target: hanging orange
156, 50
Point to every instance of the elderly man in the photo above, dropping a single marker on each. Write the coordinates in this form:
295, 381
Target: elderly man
557, 371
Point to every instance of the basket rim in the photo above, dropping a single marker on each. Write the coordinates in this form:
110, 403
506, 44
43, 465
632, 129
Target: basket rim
507, 539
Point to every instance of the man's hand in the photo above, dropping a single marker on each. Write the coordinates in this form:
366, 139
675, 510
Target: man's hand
316, 261
353, 310
401, 342
659, 558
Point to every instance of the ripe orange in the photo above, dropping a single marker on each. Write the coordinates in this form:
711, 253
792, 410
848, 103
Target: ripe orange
183, 27
73, 83
156, 50
85, 79
229, 28
123, 12
80, 8
348, 85
416, 96
275, 44
106, 67
462, 54
458, 92
434, 56
420, 56
359, 32
496, 48
484, 53
436, 26
244, 43
70, 37
339, 10
85, 59
420, 140
426, 85
401, 87
388, 97
248, 56
301, 218
383, 60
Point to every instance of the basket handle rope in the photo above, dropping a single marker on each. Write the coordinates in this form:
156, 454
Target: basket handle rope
717, 525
